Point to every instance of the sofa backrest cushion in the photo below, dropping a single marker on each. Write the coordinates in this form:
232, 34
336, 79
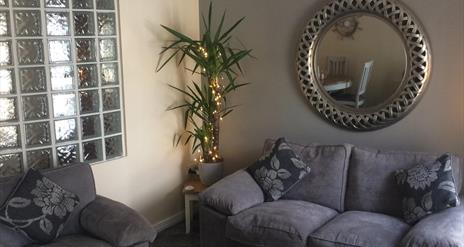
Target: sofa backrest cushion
76, 178
326, 183
371, 184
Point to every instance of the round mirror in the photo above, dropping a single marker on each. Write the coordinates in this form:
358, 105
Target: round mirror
363, 65
360, 61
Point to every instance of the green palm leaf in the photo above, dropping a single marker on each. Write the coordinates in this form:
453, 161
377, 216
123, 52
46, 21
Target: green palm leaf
213, 58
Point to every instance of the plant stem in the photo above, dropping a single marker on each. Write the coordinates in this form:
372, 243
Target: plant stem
210, 153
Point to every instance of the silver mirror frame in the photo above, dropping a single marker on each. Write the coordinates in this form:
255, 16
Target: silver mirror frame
412, 87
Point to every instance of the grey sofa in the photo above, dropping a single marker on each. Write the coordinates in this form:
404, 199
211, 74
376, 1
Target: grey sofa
97, 222
350, 199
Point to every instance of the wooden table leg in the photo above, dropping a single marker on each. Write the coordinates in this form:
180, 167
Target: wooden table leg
188, 212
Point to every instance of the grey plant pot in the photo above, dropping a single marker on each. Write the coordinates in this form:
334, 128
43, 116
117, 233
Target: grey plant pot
211, 172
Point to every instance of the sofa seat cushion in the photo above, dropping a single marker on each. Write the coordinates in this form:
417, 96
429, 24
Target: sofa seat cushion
360, 229
445, 228
280, 223
78, 241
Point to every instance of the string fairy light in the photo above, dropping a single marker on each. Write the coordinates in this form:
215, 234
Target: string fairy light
209, 147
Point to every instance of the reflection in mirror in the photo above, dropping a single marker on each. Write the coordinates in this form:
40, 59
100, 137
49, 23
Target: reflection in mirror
360, 61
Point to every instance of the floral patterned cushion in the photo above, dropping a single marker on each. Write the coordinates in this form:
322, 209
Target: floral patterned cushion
38, 207
427, 189
278, 170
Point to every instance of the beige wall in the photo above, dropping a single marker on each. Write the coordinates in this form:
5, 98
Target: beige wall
274, 106
149, 179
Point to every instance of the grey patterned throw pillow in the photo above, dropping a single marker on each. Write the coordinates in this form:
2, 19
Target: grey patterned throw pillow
38, 208
277, 171
427, 189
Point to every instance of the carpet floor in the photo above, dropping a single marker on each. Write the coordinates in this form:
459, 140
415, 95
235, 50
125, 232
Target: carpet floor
176, 237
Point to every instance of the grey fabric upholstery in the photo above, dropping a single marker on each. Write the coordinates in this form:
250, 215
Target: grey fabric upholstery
326, 183
371, 184
78, 241
361, 229
12, 237
81, 183
232, 243
81, 241
342, 178
116, 223
6, 187
233, 194
78, 178
444, 229
212, 227
279, 223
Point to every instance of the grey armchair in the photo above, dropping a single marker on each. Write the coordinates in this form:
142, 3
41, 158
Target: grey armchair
97, 222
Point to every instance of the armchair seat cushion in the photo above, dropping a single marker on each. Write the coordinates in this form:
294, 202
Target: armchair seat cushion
360, 229
445, 228
280, 223
116, 223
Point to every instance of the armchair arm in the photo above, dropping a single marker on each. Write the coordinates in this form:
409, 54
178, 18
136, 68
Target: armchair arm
442, 229
233, 194
116, 223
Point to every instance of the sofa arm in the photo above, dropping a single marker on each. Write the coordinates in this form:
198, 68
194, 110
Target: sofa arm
445, 228
116, 223
233, 194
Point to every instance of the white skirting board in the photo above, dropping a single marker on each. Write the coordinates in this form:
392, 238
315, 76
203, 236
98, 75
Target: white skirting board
170, 221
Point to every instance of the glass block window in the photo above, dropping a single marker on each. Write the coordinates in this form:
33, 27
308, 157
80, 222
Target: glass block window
60, 84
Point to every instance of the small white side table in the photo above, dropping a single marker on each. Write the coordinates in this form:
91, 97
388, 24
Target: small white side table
192, 187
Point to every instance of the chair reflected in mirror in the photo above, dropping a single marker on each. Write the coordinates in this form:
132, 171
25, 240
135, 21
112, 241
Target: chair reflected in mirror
337, 79
337, 67
357, 99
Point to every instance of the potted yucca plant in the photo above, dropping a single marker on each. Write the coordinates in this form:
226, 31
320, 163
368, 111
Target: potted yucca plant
206, 104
